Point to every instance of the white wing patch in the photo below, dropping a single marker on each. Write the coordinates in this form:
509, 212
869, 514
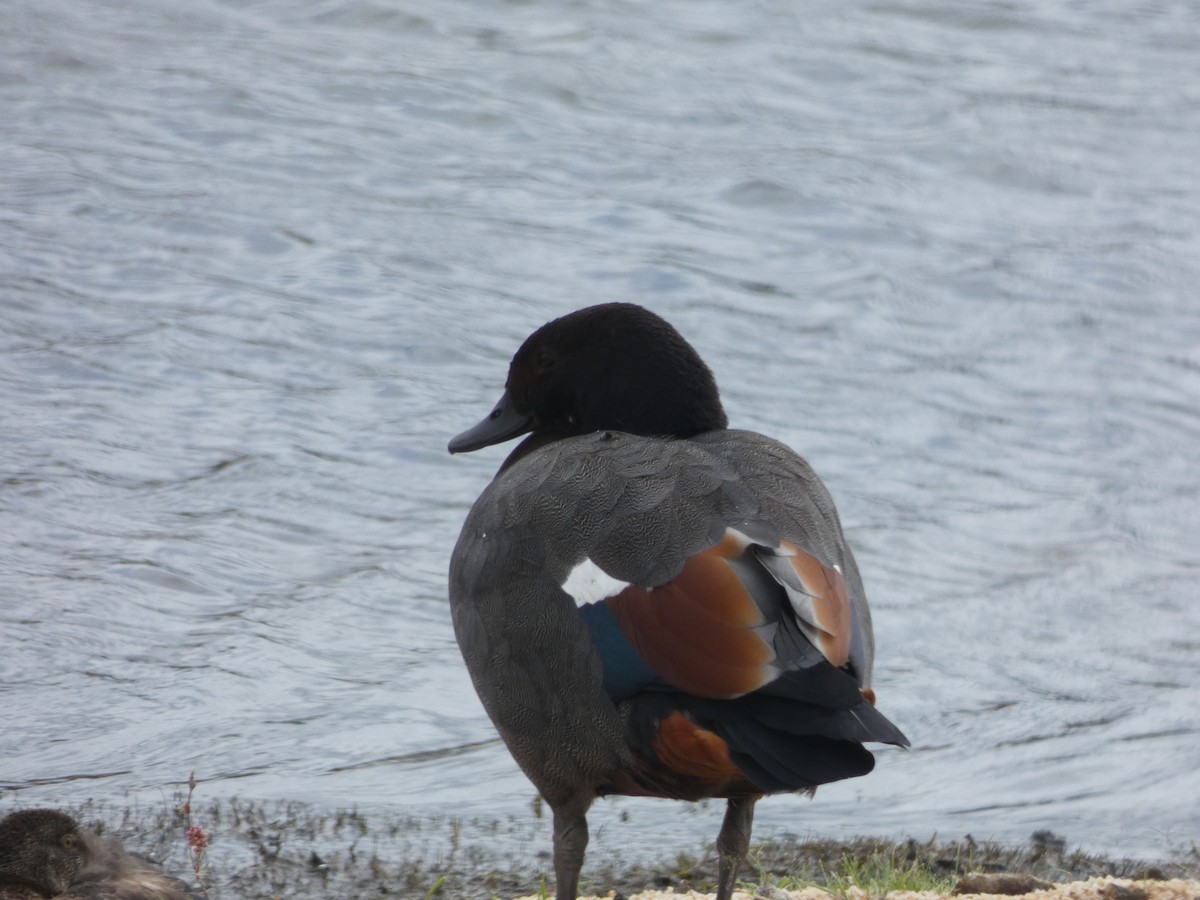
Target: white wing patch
740, 540
588, 583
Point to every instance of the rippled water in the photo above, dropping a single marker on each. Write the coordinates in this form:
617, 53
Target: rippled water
259, 261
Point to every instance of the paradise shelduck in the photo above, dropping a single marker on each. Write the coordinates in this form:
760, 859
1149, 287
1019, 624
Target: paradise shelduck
650, 603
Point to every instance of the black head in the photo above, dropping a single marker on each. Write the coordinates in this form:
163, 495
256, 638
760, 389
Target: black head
614, 367
41, 849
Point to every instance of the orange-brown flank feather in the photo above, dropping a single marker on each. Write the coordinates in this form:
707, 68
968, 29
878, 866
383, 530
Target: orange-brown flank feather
690, 750
697, 631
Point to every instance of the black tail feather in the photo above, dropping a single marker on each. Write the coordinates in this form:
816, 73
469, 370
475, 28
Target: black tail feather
779, 744
783, 745
861, 723
778, 760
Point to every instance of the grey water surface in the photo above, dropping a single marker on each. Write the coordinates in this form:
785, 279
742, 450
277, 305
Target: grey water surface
259, 261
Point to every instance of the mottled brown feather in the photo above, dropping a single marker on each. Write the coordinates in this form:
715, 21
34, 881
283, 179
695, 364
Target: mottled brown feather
830, 603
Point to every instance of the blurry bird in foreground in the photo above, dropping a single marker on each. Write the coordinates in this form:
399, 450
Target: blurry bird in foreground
44, 854
41, 852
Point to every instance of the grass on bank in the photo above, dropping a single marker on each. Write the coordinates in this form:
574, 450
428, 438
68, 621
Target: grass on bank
877, 869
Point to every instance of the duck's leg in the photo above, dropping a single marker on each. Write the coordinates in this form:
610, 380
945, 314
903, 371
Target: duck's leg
570, 842
732, 844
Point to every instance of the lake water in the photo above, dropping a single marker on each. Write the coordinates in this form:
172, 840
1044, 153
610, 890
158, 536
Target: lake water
258, 262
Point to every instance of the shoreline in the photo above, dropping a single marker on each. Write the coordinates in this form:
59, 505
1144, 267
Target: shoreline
262, 851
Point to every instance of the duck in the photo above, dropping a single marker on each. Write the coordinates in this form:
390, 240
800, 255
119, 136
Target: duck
113, 873
44, 853
650, 603
41, 853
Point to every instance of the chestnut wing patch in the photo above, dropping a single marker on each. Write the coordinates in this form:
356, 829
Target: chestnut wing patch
703, 632
739, 616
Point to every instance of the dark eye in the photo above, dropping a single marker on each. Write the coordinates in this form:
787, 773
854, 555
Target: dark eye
544, 360
69, 841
